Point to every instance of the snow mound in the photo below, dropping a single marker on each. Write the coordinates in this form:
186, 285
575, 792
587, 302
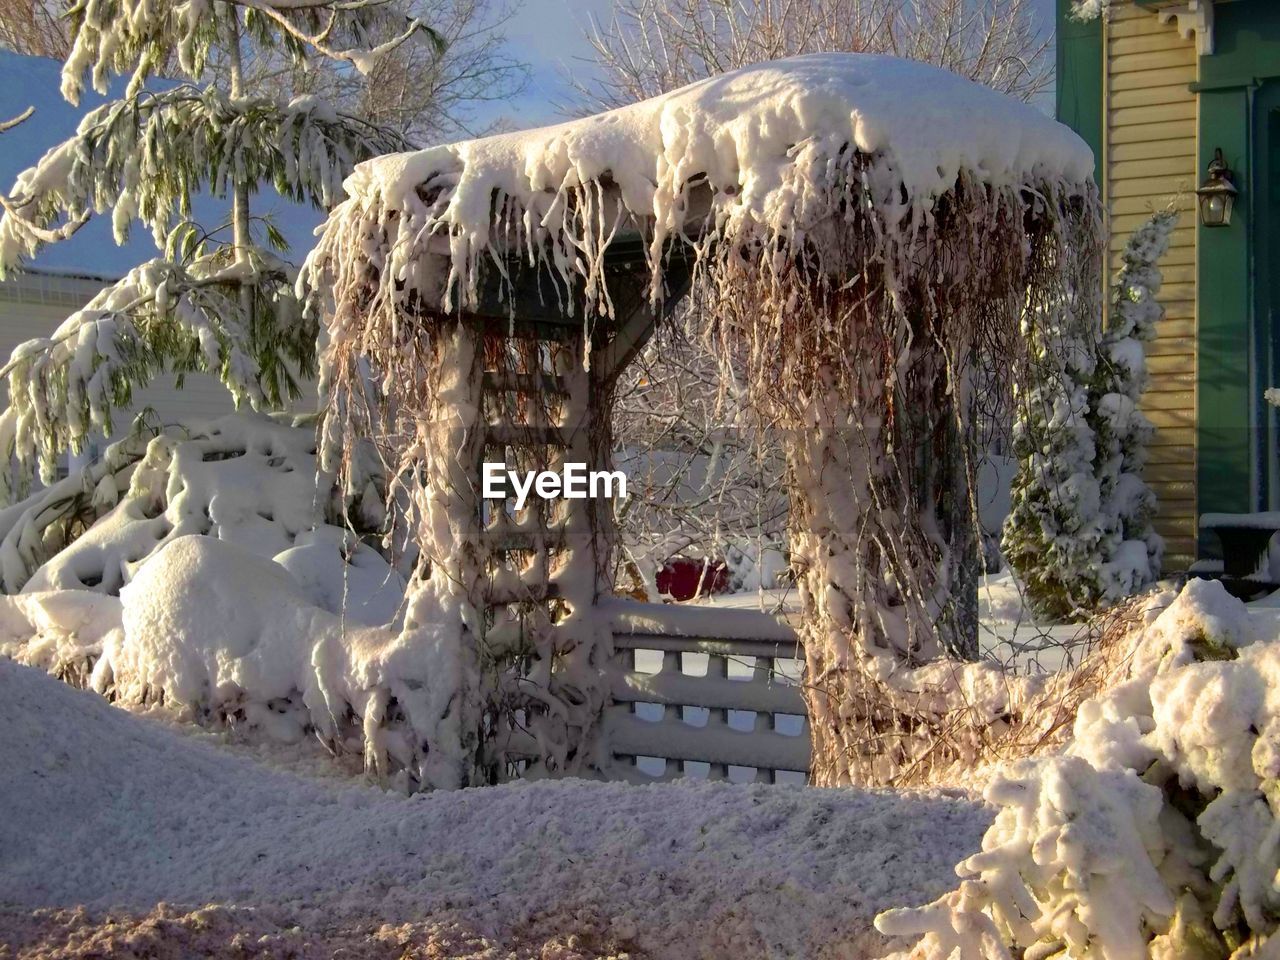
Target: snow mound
766, 140
245, 479
115, 812
345, 577
221, 636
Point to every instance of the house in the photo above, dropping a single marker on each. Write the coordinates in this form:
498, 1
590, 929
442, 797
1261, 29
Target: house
66, 275
1157, 88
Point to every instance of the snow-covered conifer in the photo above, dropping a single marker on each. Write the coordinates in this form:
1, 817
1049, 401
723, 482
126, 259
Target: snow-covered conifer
1079, 532
1132, 548
1053, 531
218, 298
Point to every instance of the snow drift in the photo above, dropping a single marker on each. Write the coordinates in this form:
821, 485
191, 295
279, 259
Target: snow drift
115, 812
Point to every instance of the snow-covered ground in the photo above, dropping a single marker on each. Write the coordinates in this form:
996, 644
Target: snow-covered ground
115, 812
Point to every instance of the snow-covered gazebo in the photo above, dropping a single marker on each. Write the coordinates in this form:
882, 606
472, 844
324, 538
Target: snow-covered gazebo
878, 240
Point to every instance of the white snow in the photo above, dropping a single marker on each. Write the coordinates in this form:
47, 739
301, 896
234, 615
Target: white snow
1096, 849
110, 810
768, 140
1262, 520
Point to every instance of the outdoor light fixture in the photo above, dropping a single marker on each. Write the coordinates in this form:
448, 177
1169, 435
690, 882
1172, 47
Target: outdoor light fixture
1217, 194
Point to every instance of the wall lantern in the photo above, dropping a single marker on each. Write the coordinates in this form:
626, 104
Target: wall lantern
1217, 194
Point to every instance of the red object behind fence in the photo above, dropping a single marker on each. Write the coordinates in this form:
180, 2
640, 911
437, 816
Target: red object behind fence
680, 578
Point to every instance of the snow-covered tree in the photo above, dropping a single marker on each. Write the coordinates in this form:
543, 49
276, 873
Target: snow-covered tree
1079, 531
1122, 431
219, 297
1053, 531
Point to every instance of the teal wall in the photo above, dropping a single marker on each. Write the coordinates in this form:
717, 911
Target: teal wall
1235, 339
1079, 79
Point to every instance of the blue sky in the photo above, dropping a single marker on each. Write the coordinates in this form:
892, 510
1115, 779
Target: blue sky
549, 35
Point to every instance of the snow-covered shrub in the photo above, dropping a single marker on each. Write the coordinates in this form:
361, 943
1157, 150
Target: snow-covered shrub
225, 637
246, 479
61, 632
1157, 832
1079, 530
213, 633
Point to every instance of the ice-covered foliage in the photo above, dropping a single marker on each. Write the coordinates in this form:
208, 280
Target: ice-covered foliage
217, 299
1079, 529
145, 157
137, 37
865, 229
1155, 833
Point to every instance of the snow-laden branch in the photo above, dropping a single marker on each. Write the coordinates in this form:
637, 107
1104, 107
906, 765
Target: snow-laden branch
144, 158
138, 37
163, 316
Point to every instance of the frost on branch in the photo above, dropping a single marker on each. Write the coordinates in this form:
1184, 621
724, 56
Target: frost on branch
867, 231
144, 157
139, 37
1157, 833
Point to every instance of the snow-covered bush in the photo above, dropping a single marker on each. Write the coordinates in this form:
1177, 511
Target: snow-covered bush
1054, 528
1079, 531
246, 479
1122, 432
216, 634
1156, 833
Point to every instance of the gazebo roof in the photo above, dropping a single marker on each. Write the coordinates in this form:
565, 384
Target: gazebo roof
757, 152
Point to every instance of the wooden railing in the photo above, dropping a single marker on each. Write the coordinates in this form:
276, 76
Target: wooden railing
705, 692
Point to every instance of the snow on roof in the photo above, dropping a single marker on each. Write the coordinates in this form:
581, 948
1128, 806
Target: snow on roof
34, 82
115, 811
740, 128
771, 141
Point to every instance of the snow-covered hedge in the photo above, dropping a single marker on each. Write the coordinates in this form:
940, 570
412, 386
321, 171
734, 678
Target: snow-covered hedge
1155, 833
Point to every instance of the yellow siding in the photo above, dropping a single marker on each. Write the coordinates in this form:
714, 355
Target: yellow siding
1150, 152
